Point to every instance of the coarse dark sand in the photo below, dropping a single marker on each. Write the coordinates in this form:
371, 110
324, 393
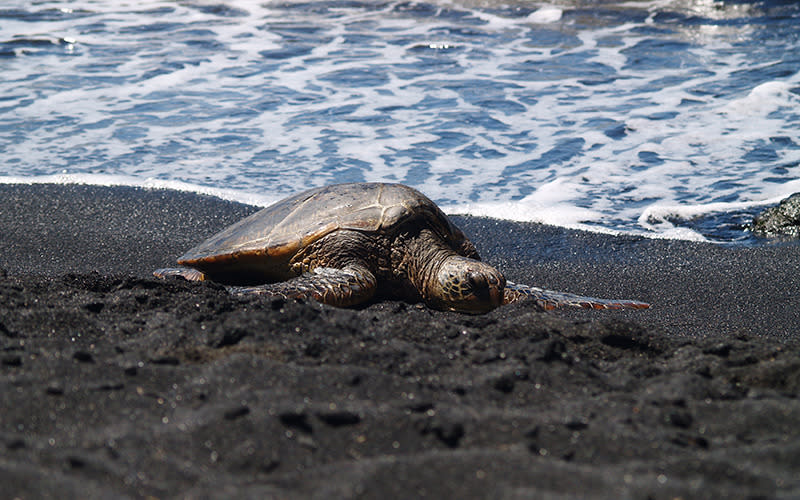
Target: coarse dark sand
115, 384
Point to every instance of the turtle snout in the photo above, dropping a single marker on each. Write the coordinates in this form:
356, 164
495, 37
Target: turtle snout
487, 287
477, 281
479, 285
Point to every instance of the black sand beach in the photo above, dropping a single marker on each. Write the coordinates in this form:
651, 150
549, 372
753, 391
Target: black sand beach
115, 384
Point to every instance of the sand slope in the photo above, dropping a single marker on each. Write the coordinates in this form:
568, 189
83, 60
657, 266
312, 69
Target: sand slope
117, 384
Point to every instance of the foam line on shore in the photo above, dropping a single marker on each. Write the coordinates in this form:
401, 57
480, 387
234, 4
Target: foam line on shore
148, 183
549, 204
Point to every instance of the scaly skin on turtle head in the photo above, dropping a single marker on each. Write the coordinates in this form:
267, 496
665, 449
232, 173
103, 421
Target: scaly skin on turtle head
466, 285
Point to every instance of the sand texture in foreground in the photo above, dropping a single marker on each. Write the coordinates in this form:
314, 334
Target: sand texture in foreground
116, 384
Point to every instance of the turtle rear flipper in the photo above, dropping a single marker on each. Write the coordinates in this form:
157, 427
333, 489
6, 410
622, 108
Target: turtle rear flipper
336, 287
550, 299
186, 273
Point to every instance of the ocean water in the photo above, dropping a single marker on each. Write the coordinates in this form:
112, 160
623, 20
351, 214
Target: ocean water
668, 118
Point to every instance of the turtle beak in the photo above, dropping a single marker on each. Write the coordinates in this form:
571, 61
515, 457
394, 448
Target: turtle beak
496, 296
496, 288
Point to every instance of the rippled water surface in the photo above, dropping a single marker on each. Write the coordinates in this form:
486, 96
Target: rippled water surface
643, 117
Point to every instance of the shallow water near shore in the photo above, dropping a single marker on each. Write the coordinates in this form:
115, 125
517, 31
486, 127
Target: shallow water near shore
642, 118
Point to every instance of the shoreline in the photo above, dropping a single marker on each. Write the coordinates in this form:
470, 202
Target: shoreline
696, 289
116, 383
707, 214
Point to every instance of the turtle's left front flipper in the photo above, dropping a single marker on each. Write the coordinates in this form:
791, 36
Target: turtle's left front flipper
186, 273
549, 299
337, 287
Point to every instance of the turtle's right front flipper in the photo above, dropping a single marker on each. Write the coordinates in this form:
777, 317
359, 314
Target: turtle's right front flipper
337, 287
549, 299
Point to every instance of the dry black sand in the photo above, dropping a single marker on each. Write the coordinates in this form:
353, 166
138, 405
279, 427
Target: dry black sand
115, 384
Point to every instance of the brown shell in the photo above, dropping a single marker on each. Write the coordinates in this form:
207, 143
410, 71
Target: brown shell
269, 238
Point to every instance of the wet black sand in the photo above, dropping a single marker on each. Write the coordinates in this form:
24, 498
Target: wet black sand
116, 384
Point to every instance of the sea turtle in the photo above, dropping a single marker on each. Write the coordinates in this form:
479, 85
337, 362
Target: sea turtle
341, 244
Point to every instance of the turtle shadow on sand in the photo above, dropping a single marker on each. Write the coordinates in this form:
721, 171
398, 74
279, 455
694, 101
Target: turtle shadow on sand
343, 244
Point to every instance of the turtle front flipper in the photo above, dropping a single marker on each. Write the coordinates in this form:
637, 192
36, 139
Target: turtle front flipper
549, 299
186, 273
336, 287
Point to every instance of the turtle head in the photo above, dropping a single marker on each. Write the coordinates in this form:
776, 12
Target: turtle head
466, 285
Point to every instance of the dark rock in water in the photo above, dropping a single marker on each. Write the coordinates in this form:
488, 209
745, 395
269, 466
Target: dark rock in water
782, 220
